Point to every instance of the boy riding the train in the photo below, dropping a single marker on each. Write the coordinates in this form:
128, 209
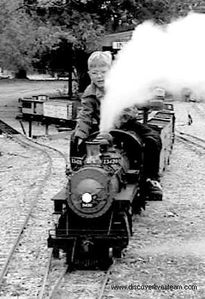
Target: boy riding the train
88, 121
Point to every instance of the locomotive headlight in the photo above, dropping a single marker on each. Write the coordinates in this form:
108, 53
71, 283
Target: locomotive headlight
86, 197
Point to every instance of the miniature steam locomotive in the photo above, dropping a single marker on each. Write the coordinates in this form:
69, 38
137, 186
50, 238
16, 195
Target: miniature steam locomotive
105, 187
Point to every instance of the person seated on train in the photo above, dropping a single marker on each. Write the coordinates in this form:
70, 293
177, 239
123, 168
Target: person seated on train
88, 120
152, 147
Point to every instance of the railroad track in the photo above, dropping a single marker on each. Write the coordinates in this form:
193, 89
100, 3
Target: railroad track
193, 141
21, 222
83, 284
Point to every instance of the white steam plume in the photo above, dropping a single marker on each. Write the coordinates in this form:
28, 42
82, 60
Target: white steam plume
171, 57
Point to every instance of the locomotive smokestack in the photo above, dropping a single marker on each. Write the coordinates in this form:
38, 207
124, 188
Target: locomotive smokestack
99, 145
105, 140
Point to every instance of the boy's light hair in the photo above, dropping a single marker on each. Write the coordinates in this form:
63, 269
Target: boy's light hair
99, 58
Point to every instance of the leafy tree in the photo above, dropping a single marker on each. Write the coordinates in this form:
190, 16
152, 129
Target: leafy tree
89, 20
86, 30
39, 33
22, 37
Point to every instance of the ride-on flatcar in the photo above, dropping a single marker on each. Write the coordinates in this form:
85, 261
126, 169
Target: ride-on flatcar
105, 187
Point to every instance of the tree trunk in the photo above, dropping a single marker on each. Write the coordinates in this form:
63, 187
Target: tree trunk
81, 66
21, 74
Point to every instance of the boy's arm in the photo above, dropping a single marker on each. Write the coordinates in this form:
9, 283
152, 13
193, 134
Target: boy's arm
84, 122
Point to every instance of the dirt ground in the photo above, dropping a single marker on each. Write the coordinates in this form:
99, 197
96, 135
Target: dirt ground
166, 255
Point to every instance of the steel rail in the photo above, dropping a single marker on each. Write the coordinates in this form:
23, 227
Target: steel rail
105, 281
195, 141
192, 136
29, 143
23, 225
57, 284
42, 292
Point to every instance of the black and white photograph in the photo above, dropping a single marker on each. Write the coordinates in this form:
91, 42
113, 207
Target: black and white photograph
102, 149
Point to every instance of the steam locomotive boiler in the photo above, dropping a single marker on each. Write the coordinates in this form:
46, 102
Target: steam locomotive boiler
95, 210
